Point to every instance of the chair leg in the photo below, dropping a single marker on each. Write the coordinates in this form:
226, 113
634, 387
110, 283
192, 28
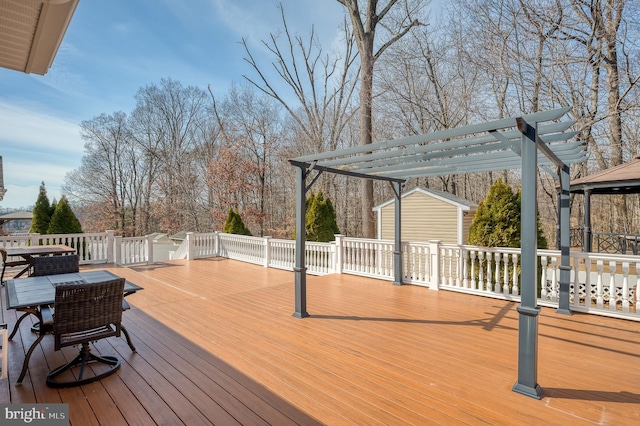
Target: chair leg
126, 335
25, 364
84, 357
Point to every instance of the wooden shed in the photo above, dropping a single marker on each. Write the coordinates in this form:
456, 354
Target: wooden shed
427, 215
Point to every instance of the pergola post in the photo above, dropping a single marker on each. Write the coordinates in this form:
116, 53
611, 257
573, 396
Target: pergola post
587, 244
527, 383
397, 249
564, 231
300, 270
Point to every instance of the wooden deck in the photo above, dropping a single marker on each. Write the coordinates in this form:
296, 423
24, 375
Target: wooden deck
217, 345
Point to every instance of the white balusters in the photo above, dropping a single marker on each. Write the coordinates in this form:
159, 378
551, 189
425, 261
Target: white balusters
577, 295
612, 285
625, 286
554, 279
473, 270
588, 290
497, 257
599, 295
515, 289
505, 274
465, 268
543, 279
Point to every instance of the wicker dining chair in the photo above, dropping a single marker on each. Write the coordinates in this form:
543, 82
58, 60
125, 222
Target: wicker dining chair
52, 265
84, 313
49, 265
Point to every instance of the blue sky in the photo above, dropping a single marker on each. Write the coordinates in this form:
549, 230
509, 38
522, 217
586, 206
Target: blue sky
111, 49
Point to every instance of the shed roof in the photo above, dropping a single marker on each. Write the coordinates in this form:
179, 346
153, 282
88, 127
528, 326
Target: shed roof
441, 195
623, 179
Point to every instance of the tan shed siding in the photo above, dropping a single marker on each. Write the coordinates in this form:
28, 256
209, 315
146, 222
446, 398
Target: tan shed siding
424, 218
466, 225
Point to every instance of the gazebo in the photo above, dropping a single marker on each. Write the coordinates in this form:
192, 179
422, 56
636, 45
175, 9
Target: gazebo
622, 179
511, 143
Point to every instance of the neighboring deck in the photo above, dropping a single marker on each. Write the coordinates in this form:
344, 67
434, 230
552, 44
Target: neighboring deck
217, 345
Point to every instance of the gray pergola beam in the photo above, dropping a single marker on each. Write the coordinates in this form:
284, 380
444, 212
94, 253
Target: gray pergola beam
461, 153
500, 160
401, 153
439, 135
485, 164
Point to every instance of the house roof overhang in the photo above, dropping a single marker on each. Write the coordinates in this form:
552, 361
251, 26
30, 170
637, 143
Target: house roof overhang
494, 145
32, 31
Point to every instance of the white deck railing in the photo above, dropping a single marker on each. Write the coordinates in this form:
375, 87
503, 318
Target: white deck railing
603, 284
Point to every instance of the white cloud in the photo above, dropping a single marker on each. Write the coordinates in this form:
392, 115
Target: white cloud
18, 197
32, 130
36, 146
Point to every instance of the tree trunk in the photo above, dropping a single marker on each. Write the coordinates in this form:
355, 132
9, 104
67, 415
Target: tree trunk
366, 125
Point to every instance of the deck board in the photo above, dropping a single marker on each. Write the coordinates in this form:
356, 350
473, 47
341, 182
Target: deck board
217, 344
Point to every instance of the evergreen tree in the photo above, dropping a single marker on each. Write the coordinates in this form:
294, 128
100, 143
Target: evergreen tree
320, 219
64, 221
497, 220
41, 213
52, 209
234, 224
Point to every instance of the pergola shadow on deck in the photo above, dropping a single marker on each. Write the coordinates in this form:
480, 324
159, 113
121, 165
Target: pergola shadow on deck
217, 345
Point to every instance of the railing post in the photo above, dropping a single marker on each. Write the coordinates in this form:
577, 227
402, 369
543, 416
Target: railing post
35, 239
149, 249
216, 243
110, 246
117, 250
434, 264
267, 251
191, 247
337, 259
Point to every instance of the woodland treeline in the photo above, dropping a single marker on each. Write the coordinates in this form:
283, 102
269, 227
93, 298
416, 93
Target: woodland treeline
184, 156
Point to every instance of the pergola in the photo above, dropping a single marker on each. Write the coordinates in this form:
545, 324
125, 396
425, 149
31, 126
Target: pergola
621, 179
510, 143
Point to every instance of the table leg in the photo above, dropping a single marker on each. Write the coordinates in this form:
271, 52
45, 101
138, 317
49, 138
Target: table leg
27, 312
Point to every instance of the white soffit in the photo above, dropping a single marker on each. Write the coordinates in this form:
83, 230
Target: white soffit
31, 32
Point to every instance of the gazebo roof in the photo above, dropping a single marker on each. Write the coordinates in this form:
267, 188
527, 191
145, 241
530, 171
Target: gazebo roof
19, 215
622, 179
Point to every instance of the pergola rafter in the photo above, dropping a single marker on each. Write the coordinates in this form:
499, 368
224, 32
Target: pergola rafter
510, 143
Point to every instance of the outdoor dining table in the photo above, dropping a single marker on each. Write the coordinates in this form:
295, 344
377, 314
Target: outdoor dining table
29, 294
28, 252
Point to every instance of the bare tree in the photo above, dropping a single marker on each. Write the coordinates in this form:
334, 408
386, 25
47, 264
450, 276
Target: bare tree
251, 127
172, 118
104, 176
395, 19
323, 86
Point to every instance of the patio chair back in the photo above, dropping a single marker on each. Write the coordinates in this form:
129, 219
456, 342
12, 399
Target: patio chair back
86, 312
52, 265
